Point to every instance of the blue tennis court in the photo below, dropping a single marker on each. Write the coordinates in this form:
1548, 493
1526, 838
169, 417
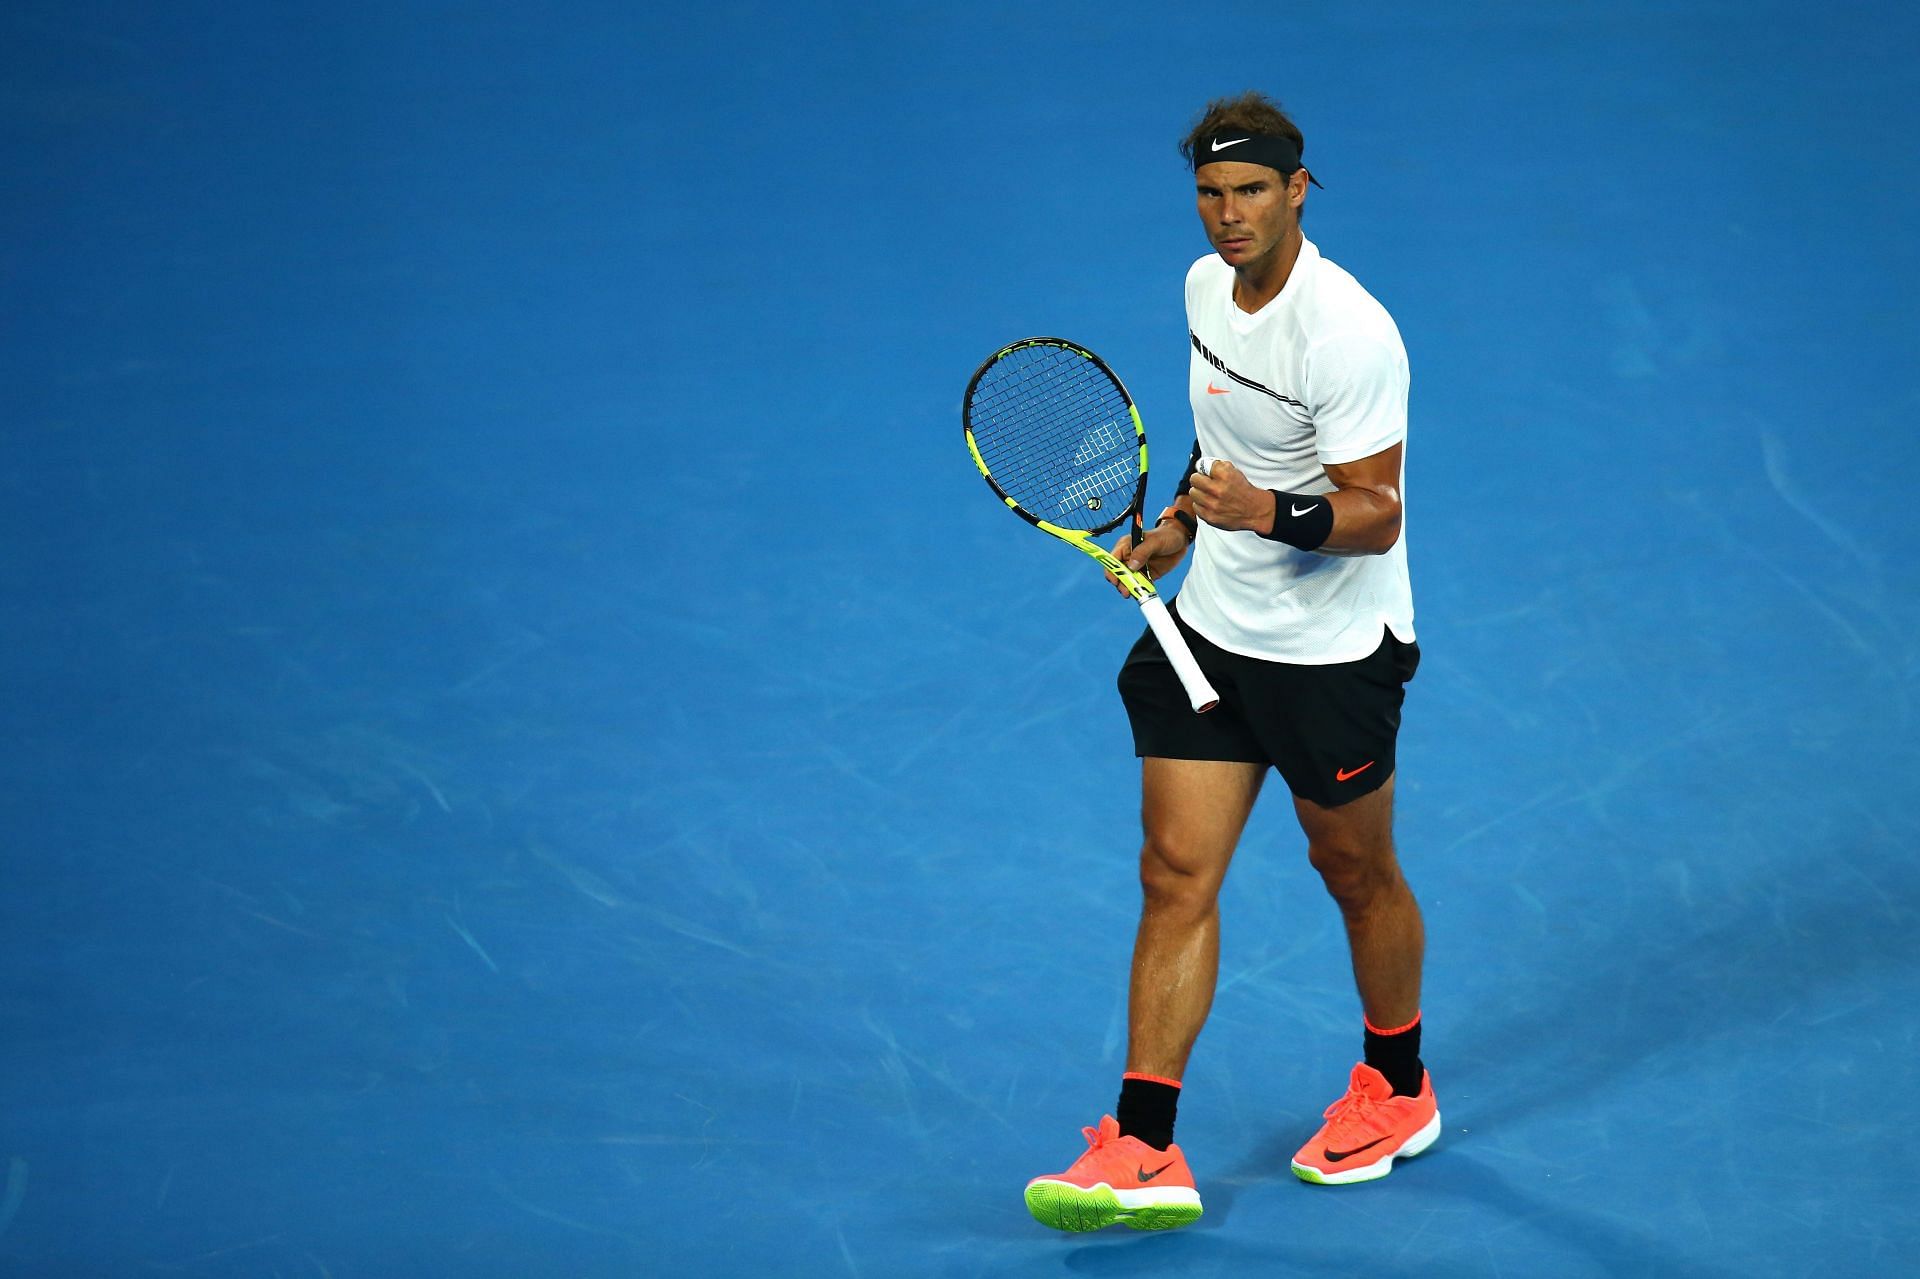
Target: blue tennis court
531, 751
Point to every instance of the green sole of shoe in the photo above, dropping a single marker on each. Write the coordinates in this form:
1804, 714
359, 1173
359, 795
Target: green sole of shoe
1069, 1208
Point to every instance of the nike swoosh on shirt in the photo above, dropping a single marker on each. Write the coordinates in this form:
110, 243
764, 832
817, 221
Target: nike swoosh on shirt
1218, 145
1220, 364
1215, 390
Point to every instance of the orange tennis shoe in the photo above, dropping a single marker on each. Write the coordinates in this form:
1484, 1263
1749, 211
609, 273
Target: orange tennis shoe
1368, 1129
1119, 1179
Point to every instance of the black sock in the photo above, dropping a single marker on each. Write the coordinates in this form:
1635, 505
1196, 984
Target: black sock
1146, 1108
1397, 1056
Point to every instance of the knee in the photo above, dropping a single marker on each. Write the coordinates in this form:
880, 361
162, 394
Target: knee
1355, 877
1175, 875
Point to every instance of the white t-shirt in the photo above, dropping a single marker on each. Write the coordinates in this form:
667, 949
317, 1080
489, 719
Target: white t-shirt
1317, 376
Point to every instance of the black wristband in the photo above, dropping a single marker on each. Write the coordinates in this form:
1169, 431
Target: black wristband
1303, 520
1187, 522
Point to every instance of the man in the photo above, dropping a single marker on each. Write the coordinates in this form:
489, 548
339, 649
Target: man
1299, 611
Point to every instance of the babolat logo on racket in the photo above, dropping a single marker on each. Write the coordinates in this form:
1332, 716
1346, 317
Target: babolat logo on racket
1104, 440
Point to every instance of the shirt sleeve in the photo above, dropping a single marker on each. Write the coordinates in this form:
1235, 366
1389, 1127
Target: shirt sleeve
1358, 396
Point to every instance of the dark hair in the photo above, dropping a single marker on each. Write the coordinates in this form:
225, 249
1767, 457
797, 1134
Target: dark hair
1254, 112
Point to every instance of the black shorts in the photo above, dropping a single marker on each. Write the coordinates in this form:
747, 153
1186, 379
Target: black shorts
1330, 730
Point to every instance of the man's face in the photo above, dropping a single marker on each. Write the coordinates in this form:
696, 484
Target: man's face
1248, 210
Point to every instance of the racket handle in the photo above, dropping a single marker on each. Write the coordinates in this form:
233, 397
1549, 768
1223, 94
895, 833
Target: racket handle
1174, 645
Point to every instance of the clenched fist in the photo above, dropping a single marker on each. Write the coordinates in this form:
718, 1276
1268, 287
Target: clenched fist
1227, 499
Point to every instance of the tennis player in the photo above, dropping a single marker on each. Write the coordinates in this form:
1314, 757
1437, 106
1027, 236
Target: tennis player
1298, 609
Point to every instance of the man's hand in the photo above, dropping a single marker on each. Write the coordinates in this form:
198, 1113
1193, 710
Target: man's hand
1159, 550
1227, 499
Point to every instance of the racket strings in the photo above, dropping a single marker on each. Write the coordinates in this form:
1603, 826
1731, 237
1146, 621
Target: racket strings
1058, 437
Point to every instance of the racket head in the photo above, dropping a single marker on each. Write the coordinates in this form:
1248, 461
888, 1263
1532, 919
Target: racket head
1056, 435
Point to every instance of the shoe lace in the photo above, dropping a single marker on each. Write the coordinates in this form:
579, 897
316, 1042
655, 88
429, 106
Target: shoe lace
1351, 1113
1095, 1138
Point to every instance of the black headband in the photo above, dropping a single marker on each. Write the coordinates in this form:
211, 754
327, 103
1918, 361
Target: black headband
1271, 149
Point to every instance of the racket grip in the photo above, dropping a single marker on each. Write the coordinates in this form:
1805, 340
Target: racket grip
1174, 645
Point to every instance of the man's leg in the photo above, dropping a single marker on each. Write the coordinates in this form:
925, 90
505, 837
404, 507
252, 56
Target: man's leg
1192, 812
1352, 848
1389, 1111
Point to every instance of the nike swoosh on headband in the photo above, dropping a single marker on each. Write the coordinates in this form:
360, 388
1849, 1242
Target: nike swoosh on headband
1218, 145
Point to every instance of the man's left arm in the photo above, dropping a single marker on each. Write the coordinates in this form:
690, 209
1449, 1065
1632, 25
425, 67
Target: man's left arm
1360, 517
1357, 386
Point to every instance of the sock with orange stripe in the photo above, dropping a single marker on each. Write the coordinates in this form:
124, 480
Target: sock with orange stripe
1396, 1054
1146, 1108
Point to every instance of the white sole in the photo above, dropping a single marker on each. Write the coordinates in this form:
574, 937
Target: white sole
1412, 1146
1172, 1196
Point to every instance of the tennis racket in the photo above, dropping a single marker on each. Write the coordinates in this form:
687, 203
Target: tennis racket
1059, 439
